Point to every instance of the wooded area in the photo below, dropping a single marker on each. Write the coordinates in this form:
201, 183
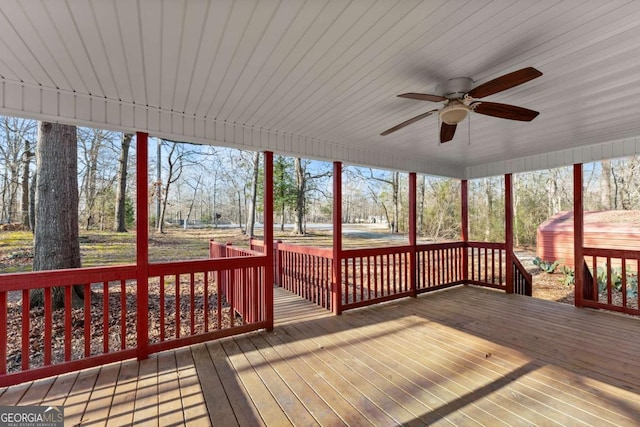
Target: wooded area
207, 186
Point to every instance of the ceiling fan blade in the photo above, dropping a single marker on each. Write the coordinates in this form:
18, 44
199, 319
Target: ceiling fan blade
504, 82
423, 97
408, 122
447, 132
504, 111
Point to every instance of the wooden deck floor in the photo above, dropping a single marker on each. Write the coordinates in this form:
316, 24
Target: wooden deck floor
463, 356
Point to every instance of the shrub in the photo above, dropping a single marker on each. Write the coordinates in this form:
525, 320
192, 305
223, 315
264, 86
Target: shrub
546, 266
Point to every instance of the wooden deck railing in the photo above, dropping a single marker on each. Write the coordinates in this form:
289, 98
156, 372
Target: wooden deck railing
522, 280
614, 280
374, 275
242, 287
75, 337
185, 304
439, 266
305, 271
487, 264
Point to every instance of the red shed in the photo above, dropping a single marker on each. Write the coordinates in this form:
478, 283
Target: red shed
603, 229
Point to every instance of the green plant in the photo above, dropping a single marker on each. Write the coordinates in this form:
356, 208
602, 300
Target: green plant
616, 280
569, 276
546, 266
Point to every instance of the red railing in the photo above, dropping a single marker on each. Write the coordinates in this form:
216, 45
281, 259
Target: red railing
185, 305
439, 266
374, 275
243, 286
522, 280
305, 271
370, 276
613, 280
101, 329
487, 264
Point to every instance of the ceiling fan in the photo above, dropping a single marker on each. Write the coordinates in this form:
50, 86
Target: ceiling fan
459, 99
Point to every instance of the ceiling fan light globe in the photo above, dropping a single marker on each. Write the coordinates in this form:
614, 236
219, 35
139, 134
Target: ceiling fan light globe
454, 114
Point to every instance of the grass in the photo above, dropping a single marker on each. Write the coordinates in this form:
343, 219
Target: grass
110, 248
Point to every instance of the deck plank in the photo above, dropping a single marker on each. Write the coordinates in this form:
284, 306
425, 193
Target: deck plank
169, 402
270, 412
76, 401
145, 410
288, 372
123, 403
60, 389
36, 393
218, 406
245, 412
291, 405
97, 410
194, 408
345, 409
13, 395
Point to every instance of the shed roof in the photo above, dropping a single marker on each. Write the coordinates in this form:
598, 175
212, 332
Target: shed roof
602, 221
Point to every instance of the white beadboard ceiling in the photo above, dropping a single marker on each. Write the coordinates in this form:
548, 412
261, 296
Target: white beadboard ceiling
319, 78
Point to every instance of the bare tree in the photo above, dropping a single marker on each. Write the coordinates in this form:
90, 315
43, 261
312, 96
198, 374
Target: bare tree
251, 218
92, 142
606, 193
56, 243
14, 132
303, 178
178, 157
27, 155
394, 182
121, 195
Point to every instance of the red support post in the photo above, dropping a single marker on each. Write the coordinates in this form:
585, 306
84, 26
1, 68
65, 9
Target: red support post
142, 244
464, 232
413, 238
508, 230
578, 234
268, 237
336, 291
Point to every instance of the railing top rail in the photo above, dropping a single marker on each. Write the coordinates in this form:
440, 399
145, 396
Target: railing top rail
52, 278
212, 264
353, 253
488, 245
245, 251
436, 246
612, 253
306, 250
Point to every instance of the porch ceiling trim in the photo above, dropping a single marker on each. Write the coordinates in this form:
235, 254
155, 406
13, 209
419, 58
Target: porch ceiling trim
560, 158
55, 105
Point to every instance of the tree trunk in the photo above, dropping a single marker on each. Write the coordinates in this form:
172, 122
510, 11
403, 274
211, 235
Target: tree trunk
32, 202
396, 201
56, 243
489, 213
239, 210
193, 201
26, 162
301, 183
121, 190
158, 185
606, 193
251, 220
421, 195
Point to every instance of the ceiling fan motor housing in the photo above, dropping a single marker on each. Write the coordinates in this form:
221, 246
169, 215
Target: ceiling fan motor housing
457, 88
